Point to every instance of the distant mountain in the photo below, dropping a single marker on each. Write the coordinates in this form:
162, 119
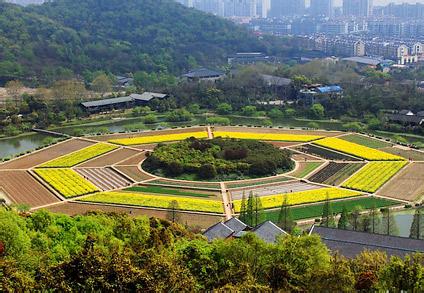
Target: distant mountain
25, 2
115, 35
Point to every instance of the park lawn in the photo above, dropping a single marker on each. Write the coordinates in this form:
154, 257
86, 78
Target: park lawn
315, 211
156, 201
161, 190
306, 168
366, 141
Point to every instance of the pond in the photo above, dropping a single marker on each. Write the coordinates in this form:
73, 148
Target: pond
404, 221
13, 146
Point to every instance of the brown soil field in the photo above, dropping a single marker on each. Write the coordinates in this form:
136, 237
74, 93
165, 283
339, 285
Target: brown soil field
110, 158
407, 185
146, 133
133, 172
281, 144
135, 160
193, 220
46, 154
20, 187
275, 130
407, 154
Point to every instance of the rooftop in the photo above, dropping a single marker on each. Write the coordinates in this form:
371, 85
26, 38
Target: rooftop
203, 73
218, 231
276, 80
351, 243
363, 60
268, 231
146, 97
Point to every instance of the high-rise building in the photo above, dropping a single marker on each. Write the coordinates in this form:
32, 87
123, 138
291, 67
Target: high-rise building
281, 8
211, 6
262, 8
322, 8
240, 8
361, 8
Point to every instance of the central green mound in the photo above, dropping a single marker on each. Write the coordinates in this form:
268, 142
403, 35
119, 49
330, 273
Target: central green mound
223, 159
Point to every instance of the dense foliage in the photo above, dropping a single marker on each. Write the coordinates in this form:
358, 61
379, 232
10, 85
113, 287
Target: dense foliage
112, 252
219, 156
63, 37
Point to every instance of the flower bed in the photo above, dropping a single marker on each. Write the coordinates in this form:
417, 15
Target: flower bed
158, 138
80, 156
266, 136
66, 181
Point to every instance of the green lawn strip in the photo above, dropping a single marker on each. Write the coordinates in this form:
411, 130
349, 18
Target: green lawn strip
161, 190
315, 211
310, 167
187, 184
365, 141
343, 174
255, 183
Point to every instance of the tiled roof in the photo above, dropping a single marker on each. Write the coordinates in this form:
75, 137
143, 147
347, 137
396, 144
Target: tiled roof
351, 243
364, 60
203, 73
276, 80
268, 231
106, 102
218, 231
236, 225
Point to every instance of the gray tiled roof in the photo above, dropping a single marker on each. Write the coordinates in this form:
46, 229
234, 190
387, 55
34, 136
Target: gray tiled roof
364, 60
276, 80
351, 243
268, 231
203, 73
147, 96
236, 225
106, 102
218, 231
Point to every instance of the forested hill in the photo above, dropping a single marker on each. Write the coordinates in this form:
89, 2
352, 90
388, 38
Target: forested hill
115, 35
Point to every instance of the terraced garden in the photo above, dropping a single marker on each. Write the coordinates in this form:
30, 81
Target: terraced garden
356, 150
324, 153
371, 177
80, 156
302, 197
335, 173
315, 210
158, 138
266, 136
156, 201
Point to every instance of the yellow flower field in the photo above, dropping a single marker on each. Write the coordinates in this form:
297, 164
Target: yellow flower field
267, 136
156, 201
356, 150
159, 138
67, 182
302, 197
80, 156
371, 177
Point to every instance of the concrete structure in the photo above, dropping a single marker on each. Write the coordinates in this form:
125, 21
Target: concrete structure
322, 8
203, 74
121, 102
359, 8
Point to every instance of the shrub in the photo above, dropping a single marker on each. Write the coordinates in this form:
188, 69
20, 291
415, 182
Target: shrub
207, 171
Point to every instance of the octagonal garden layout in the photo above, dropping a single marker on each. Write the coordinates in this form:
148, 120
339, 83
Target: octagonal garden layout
206, 171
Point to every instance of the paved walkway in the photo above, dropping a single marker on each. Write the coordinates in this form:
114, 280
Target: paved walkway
226, 202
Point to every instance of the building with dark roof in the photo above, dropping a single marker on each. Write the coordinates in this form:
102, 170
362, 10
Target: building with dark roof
407, 117
121, 102
351, 243
234, 228
249, 58
313, 93
269, 232
123, 81
203, 74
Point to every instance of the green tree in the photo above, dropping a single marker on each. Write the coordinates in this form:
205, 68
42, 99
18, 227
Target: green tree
173, 215
102, 84
193, 108
388, 223
285, 218
224, 109
275, 113
249, 111
355, 218
327, 214
150, 119
344, 219
375, 219
317, 111
417, 227
254, 210
243, 209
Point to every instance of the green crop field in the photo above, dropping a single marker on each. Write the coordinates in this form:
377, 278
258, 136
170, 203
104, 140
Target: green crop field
161, 190
365, 141
315, 211
255, 183
306, 170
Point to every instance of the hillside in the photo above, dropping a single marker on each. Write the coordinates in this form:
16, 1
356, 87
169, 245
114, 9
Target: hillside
115, 35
